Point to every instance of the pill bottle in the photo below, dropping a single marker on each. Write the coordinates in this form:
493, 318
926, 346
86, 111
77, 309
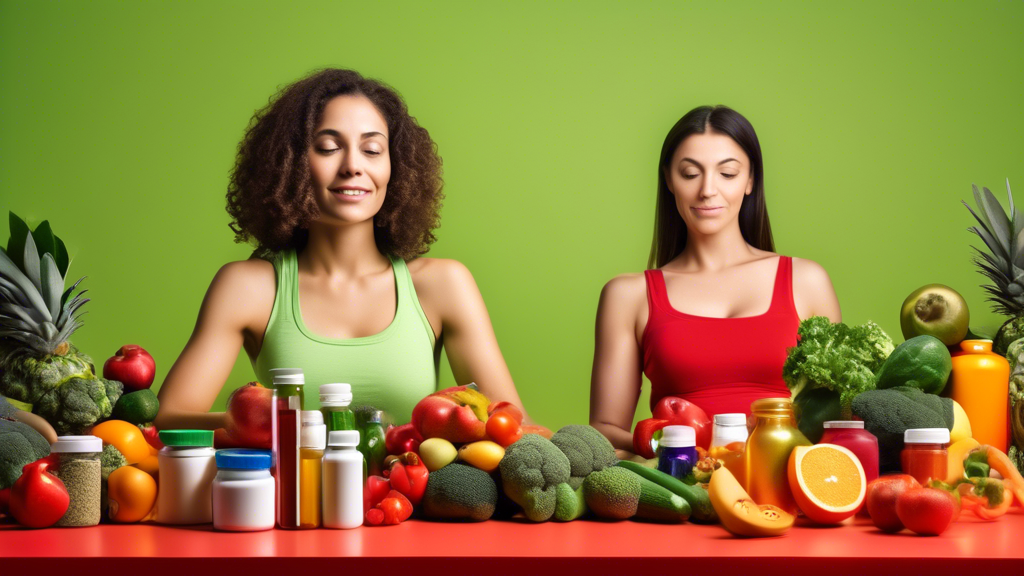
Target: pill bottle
343, 481
188, 466
243, 491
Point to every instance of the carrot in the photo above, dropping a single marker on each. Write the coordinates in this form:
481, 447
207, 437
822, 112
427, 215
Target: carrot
1001, 463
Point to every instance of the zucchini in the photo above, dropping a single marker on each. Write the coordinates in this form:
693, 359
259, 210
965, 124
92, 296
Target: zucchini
695, 496
659, 504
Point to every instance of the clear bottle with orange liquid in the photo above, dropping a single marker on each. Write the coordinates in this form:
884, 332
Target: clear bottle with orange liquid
728, 440
767, 452
311, 454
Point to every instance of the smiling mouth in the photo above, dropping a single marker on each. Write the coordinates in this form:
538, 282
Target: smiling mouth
349, 192
707, 208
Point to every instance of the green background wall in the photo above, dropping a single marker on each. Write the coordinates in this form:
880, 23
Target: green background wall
119, 122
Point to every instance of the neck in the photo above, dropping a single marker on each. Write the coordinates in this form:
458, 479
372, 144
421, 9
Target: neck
716, 251
345, 250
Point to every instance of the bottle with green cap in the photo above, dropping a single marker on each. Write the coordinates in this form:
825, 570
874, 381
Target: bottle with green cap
187, 469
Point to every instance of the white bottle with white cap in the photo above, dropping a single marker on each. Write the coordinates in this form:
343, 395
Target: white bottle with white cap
343, 481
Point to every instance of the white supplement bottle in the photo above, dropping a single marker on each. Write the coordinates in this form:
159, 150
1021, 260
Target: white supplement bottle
243, 491
343, 481
187, 470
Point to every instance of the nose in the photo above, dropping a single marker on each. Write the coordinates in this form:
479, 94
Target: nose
350, 165
707, 186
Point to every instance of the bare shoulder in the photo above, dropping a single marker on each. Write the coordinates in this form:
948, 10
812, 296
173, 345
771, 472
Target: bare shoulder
244, 288
443, 272
624, 293
813, 292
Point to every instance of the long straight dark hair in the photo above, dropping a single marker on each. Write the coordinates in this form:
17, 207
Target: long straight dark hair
669, 228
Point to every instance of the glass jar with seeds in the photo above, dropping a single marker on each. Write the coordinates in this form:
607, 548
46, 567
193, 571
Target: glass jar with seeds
78, 466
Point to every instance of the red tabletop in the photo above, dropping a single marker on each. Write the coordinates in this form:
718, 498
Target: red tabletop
516, 547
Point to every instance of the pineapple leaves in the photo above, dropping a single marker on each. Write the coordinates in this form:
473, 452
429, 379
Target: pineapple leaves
52, 285
1003, 234
14, 278
47, 242
999, 224
16, 244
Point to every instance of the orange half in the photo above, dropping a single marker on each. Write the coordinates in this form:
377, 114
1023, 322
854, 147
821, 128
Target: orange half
827, 482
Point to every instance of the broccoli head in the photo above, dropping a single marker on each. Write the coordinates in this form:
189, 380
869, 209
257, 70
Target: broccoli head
889, 413
27, 379
20, 444
459, 492
78, 404
531, 471
587, 449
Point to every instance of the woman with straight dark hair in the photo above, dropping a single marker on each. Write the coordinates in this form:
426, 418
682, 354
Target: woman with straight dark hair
711, 320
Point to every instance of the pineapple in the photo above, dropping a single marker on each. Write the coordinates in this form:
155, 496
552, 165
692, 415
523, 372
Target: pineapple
39, 367
1003, 263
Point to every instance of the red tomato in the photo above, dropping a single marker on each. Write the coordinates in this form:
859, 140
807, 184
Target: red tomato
881, 500
927, 511
504, 429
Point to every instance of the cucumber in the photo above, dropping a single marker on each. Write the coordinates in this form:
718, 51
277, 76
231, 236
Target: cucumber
695, 496
659, 504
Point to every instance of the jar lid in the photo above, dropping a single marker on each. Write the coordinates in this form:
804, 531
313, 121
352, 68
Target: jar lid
343, 438
772, 406
243, 459
77, 444
846, 424
197, 438
313, 433
284, 371
926, 436
289, 380
678, 437
336, 394
732, 419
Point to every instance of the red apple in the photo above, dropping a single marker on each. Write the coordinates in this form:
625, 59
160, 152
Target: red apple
248, 416
683, 412
131, 366
457, 414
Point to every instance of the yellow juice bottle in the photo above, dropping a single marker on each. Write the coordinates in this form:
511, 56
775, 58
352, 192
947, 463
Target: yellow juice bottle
311, 454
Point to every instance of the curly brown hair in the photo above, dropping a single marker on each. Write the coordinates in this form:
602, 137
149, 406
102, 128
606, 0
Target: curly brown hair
270, 195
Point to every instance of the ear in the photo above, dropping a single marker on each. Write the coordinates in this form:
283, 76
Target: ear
668, 181
750, 186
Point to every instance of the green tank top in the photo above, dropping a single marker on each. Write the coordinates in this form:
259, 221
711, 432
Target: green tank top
391, 370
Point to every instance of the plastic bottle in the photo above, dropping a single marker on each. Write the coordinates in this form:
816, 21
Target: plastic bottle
78, 466
243, 491
980, 383
286, 424
728, 439
187, 469
313, 442
343, 481
371, 442
924, 453
850, 434
767, 452
334, 405
677, 451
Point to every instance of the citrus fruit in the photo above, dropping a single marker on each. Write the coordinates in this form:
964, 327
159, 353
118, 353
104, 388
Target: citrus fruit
136, 407
827, 481
127, 438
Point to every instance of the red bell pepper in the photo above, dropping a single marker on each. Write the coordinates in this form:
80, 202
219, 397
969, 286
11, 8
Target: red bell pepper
38, 498
374, 517
685, 413
409, 476
396, 507
643, 436
402, 439
988, 498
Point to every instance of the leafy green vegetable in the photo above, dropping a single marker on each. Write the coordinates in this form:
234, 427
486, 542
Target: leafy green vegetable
531, 471
841, 358
887, 414
20, 444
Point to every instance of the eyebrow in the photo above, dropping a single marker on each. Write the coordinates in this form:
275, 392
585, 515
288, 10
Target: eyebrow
720, 163
336, 134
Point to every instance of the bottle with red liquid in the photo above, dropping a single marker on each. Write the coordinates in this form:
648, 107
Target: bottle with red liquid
286, 425
850, 434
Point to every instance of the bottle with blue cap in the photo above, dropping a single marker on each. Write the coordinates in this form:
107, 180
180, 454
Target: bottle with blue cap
243, 491
343, 481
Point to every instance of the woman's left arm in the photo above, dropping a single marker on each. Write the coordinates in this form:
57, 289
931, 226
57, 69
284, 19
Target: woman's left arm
468, 336
813, 293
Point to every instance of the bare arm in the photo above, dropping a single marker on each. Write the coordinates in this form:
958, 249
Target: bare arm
615, 380
813, 292
236, 301
469, 339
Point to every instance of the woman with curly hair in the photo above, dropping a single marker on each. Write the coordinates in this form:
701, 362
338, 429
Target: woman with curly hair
339, 188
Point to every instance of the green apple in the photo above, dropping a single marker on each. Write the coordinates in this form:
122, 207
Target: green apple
437, 453
935, 310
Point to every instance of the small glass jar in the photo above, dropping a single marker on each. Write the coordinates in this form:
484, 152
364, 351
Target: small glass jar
78, 467
187, 469
677, 451
371, 440
850, 434
334, 405
243, 491
728, 439
924, 454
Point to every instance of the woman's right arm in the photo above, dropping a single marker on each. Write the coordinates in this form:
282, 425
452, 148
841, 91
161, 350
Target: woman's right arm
235, 310
615, 380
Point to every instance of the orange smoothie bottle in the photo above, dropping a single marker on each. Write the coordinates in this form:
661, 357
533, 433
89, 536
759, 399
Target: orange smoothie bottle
767, 452
980, 382
728, 439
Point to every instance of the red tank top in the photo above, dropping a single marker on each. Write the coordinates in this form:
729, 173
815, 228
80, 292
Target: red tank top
719, 364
